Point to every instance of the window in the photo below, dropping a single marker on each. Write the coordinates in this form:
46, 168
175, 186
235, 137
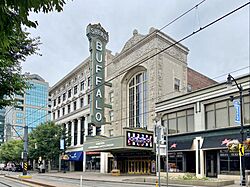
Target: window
54, 115
81, 102
82, 85
74, 105
69, 93
63, 111
189, 88
68, 108
111, 97
75, 132
137, 100
58, 113
19, 121
222, 114
82, 132
88, 81
88, 99
59, 99
64, 96
75, 89
54, 102
177, 83
180, 122
19, 115
111, 115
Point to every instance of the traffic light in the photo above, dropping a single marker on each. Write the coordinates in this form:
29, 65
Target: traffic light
98, 130
90, 129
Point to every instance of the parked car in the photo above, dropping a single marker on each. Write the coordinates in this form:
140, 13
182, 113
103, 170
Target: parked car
8, 168
17, 168
2, 166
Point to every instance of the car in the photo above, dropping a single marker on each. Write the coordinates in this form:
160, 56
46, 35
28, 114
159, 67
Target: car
2, 166
17, 168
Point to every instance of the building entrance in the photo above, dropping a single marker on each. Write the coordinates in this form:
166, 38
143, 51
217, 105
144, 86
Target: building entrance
211, 163
139, 166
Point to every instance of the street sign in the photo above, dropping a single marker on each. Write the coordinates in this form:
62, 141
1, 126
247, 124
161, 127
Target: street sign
241, 150
237, 110
62, 144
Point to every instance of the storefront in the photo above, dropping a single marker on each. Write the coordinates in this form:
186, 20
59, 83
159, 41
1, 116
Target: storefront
74, 161
132, 153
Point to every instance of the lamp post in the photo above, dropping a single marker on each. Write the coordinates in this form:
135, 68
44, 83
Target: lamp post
158, 127
230, 79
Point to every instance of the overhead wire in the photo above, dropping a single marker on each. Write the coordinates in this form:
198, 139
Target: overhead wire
164, 49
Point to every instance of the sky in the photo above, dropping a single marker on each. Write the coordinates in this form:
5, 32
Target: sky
216, 51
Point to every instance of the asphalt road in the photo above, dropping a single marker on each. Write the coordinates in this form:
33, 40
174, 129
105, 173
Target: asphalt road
6, 182
89, 183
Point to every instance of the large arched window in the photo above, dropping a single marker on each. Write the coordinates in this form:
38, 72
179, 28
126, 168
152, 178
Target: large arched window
137, 100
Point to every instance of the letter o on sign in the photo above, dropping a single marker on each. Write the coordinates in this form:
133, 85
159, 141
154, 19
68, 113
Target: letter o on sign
98, 116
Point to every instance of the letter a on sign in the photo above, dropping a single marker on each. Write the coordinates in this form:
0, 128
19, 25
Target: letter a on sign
241, 150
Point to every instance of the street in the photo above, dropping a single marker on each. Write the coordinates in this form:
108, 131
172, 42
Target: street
11, 183
87, 183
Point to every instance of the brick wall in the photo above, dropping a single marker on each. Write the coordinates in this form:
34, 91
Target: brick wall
197, 80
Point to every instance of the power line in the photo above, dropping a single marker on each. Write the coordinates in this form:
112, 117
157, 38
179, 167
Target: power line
175, 43
149, 57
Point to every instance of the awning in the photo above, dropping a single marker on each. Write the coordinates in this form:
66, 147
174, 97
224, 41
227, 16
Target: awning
180, 145
75, 156
219, 142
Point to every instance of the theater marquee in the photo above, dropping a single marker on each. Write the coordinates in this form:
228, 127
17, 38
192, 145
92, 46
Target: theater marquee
98, 39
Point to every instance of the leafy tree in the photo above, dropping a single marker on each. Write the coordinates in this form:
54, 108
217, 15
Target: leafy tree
16, 44
11, 151
44, 141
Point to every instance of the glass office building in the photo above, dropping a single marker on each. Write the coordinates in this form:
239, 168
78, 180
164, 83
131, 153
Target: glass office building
32, 108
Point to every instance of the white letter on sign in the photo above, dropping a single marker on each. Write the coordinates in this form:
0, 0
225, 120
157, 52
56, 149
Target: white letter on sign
98, 116
98, 46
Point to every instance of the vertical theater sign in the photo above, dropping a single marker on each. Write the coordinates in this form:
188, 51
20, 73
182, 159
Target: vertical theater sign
98, 38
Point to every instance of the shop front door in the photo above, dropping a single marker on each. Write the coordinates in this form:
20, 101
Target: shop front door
211, 163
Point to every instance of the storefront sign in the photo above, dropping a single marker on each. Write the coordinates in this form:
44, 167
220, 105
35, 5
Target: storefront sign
98, 39
139, 139
105, 144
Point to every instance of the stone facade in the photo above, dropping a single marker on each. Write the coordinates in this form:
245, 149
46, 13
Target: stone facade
154, 56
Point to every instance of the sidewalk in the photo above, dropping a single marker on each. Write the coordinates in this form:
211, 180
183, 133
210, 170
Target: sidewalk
94, 176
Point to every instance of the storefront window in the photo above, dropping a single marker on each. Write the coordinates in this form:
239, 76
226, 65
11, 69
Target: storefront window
229, 162
180, 122
222, 114
175, 162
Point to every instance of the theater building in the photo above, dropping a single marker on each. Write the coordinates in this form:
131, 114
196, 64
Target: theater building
112, 126
200, 124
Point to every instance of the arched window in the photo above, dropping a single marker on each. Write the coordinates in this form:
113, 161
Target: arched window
137, 100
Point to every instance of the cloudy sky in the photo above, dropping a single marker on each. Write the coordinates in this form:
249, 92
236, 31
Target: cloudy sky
215, 51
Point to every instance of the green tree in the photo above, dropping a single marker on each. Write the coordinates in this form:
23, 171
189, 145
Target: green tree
16, 44
44, 141
11, 151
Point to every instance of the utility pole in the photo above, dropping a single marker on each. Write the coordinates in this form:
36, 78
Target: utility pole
25, 150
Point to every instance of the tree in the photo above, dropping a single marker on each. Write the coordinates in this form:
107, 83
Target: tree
11, 151
44, 141
16, 44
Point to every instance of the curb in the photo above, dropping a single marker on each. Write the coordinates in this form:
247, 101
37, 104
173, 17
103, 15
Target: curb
28, 181
128, 182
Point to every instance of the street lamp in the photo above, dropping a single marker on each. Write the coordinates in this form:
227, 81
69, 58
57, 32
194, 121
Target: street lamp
230, 80
158, 127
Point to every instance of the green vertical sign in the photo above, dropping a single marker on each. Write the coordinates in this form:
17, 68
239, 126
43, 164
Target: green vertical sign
98, 38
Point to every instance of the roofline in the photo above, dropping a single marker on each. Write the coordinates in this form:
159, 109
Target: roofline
200, 90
